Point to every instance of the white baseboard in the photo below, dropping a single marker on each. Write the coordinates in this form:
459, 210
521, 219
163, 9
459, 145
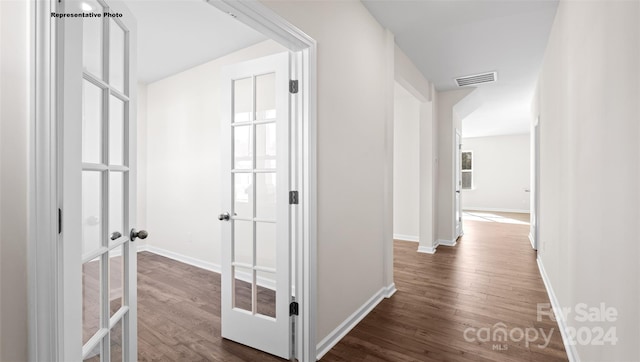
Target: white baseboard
345, 327
572, 353
216, 268
427, 249
533, 243
142, 247
390, 290
447, 242
405, 237
184, 259
495, 209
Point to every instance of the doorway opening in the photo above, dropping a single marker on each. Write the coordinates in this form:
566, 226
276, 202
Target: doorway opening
182, 110
66, 279
496, 178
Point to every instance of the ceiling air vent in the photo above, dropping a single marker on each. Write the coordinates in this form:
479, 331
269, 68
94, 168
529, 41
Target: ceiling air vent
477, 79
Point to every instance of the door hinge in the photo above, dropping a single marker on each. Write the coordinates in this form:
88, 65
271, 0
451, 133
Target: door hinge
59, 221
293, 197
293, 308
293, 86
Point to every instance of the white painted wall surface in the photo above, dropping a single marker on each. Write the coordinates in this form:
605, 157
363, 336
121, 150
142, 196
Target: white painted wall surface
429, 161
589, 92
406, 166
501, 173
353, 122
141, 219
410, 78
183, 158
14, 133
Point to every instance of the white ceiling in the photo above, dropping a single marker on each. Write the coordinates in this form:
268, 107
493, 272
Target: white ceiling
177, 35
449, 39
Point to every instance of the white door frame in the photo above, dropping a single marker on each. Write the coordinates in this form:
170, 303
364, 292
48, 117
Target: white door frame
535, 184
44, 263
457, 187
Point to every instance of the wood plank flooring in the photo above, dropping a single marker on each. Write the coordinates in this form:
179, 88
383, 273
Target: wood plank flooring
490, 277
179, 314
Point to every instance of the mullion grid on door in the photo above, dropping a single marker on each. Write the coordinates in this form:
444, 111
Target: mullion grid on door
235, 264
253, 122
104, 285
253, 219
122, 313
103, 335
254, 154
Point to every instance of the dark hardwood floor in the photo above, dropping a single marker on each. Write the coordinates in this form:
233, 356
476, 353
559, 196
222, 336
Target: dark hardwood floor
490, 277
179, 314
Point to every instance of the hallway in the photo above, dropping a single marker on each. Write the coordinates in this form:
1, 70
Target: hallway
490, 277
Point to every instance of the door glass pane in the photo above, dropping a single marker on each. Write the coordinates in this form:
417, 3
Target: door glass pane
242, 100
242, 288
243, 195
266, 97
243, 242
116, 131
266, 245
116, 273
266, 146
116, 204
92, 39
91, 123
266, 298
243, 147
116, 56
466, 180
91, 211
95, 354
116, 342
266, 195
466, 161
90, 299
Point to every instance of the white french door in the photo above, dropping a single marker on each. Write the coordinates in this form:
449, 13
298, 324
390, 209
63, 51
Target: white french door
96, 111
256, 248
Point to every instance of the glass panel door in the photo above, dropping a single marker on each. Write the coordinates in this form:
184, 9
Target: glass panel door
98, 176
256, 242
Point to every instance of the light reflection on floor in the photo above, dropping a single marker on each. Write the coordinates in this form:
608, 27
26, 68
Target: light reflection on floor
501, 217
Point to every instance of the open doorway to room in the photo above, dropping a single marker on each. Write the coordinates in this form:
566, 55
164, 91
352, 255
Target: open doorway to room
181, 268
165, 133
495, 175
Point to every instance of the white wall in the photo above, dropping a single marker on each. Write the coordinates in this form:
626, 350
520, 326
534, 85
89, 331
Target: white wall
14, 133
501, 173
410, 78
589, 92
406, 165
141, 217
183, 158
354, 118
